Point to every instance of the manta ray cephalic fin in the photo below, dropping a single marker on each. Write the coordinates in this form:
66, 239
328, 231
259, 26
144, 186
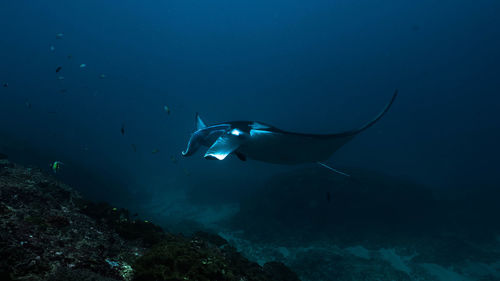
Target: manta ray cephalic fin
222, 147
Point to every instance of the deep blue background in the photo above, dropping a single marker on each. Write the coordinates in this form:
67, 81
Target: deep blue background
308, 66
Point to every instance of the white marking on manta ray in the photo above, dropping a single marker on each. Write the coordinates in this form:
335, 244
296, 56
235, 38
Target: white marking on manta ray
236, 132
254, 132
219, 156
257, 125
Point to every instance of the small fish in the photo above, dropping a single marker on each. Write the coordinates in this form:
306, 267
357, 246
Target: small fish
5, 85
60, 78
83, 65
173, 159
156, 150
134, 148
56, 166
59, 35
69, 57
63, 91
103, 76
135, 214
52, 48
58, 69
166, 109
122, 130
186, 172
28, 104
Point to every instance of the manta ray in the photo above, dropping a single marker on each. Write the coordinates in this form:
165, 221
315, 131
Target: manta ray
263, 142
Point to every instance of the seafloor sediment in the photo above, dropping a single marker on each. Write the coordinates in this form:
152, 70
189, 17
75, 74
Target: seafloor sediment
49, 232
369, 227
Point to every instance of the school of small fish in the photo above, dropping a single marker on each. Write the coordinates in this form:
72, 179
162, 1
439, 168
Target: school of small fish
56, 165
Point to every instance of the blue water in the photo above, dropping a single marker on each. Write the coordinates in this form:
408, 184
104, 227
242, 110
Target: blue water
305, 66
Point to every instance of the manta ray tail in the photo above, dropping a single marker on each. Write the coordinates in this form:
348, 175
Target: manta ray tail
332, 169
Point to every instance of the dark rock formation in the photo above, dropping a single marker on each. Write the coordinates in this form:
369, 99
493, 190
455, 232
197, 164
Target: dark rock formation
49, 232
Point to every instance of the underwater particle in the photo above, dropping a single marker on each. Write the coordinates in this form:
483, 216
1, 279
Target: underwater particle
56, 166
166, 109
135, 214
146, 221
122, 129
69, 56
60, 35
115, 209
58, 69
156, 150
5, 85
83, 65
52, 48
186, 172
134, 148
103, 76
60, 78
28, 104
63, 91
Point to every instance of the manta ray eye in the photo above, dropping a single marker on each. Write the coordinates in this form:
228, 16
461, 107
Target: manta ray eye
235, 132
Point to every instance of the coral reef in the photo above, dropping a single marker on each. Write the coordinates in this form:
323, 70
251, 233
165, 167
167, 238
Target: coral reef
49, 232
44, 231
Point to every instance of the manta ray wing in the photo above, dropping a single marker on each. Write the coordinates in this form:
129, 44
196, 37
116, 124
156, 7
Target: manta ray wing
270, 144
